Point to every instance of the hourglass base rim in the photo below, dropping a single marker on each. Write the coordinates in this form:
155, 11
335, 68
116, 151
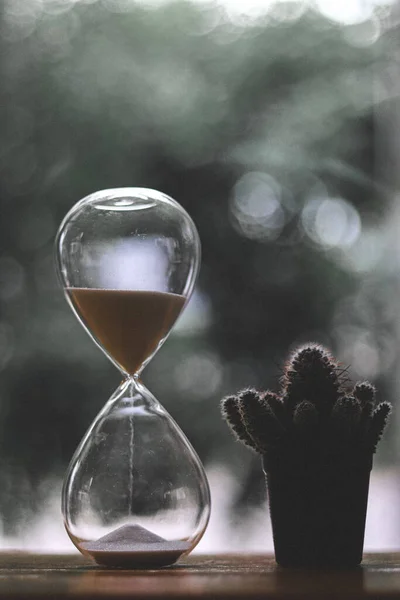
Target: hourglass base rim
163, 556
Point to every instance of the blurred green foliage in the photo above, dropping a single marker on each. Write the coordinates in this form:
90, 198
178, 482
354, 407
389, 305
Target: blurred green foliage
262, 129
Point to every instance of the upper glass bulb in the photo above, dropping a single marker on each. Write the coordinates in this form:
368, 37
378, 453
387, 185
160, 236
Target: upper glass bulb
128, 260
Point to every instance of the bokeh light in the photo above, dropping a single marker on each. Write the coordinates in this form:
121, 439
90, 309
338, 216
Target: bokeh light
256, 207
331, 222
200, 375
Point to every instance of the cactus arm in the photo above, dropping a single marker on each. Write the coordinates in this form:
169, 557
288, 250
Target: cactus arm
379, 419
305, 418
231, 414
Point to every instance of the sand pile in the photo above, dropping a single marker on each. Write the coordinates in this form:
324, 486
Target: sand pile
133, 546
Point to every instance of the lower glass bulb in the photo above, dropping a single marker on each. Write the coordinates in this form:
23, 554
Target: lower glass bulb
135, 493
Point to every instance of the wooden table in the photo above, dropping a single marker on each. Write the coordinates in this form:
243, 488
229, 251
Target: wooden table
220, 577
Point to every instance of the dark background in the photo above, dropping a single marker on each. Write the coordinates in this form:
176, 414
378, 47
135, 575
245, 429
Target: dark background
273, 132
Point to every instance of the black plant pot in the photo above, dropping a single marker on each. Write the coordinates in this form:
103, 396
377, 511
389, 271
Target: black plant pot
318, 509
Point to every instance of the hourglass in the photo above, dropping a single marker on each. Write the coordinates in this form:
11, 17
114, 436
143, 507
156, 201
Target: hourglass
135, 493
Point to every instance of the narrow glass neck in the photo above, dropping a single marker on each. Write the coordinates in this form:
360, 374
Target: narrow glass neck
132, 393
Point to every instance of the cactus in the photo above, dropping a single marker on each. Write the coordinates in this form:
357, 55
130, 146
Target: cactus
314, 405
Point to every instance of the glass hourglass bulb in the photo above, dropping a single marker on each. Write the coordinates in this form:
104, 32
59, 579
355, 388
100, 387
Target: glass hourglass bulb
135, 493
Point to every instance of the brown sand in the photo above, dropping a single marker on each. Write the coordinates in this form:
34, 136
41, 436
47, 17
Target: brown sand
128, 324
133, 546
